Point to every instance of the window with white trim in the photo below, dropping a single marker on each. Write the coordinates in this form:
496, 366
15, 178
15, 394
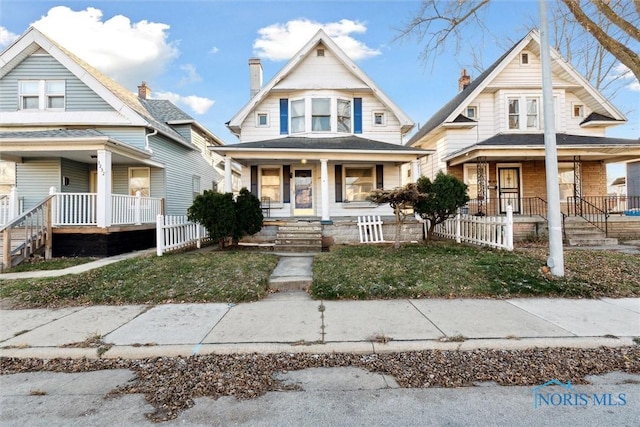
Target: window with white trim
271, 183
527, 119
578, 110
514, 113
379, 118
262, 120
524, 58
344, 115
471, 179
140, 180
472, 112
297, 116
321, 114
566, 180
7, 176
195, 185
41, 94
358, 182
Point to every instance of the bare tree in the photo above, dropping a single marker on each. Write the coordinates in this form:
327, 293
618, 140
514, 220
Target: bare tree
612, 24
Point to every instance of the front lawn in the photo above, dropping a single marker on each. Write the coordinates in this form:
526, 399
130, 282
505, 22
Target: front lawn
444, 269
217, 276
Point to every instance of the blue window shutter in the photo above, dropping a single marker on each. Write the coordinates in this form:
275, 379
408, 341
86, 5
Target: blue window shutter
357, 115
284, 116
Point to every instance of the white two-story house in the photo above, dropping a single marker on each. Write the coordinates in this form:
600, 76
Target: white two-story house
320, 136
491, 135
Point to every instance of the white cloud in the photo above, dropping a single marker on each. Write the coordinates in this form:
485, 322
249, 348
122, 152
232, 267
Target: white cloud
197, 104
281, 41
214, 50
6, 37
192, 75
128, 52
623, 72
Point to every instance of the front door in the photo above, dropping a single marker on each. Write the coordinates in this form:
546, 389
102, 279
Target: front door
303, 192
509, 188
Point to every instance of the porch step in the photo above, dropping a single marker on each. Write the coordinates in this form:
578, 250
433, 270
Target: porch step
299, 237
579, 232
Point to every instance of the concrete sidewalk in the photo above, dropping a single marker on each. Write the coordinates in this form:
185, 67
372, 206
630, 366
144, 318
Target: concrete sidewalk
292, 322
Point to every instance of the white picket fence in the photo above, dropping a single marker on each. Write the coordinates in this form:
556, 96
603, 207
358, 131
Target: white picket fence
496, 231
370, 229
175, 232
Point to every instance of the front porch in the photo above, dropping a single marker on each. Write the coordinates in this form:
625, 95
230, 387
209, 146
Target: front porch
77, 224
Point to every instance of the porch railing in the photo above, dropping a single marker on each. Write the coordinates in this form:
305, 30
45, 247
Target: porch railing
27, 234
80, 209
496, 206
623, 205
578, 206
10, 206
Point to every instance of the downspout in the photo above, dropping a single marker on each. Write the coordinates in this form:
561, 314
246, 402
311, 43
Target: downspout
146, 140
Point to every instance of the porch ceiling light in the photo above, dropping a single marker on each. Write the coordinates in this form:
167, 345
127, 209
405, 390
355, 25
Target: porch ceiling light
303, 161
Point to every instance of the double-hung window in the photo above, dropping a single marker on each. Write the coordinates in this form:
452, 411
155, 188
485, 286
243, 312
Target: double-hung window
321, 114
297, 116
140, 180
526, 118
514, 113
532, 113
41, 94
344, 115
270, 184
359, 182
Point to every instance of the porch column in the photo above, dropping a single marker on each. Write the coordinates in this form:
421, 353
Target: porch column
415, 170
324, 189
103, 201
228, 186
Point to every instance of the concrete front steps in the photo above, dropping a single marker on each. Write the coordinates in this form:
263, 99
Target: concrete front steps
579, 232
299, 237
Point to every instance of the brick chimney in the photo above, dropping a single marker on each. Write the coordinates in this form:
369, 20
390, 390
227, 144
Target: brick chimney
464, 80
144, 91
255, 75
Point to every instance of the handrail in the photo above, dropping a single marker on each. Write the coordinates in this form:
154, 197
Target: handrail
590, 212
36, 223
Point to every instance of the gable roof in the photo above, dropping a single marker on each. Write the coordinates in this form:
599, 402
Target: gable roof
133, 109
319, 38
452, 109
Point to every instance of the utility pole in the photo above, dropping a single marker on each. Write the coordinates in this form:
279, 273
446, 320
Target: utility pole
556, 256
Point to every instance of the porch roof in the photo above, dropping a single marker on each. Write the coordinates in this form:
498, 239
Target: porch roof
522, 147
75, 144
348, 147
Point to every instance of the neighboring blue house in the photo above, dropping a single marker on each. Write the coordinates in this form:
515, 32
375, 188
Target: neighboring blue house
64, 124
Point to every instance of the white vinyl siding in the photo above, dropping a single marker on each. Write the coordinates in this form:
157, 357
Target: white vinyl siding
78, 96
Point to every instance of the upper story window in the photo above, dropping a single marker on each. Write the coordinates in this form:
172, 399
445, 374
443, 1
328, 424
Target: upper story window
297, 116
321, 114
472, 112
379, 118
578, 110
262, 120
524, 58
344, 115
328, 114
41, 94
527, 119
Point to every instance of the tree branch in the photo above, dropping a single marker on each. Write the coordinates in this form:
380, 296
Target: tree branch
618, 20
627, 56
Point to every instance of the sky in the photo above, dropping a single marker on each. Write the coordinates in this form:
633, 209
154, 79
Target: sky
195, 53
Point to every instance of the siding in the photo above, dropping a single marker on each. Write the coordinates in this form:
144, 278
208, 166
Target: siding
181, 165
133, 136
271, 105
78, 174
34, 177
78, 95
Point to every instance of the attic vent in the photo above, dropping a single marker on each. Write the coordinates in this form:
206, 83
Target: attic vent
320, 52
